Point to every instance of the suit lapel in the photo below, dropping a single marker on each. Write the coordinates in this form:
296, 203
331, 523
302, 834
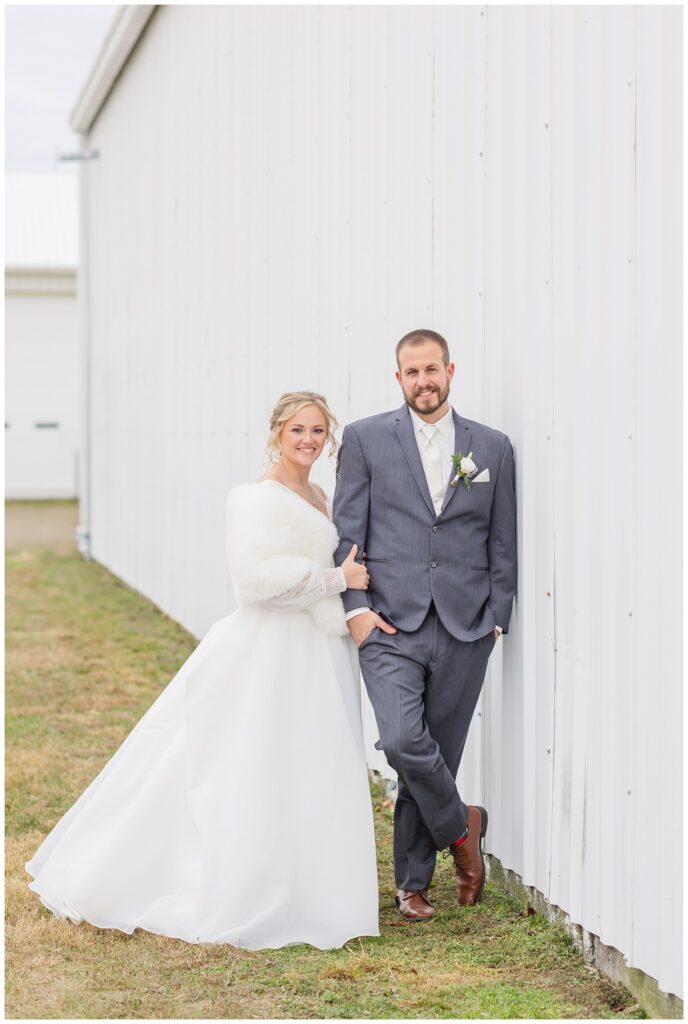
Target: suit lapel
462, 440
409, 445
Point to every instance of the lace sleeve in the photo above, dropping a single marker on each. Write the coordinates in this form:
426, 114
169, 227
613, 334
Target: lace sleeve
319, 583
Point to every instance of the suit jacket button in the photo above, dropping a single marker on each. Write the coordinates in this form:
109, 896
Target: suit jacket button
433, 565
435, 529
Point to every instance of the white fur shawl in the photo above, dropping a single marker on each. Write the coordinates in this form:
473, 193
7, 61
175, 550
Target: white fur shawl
274, 539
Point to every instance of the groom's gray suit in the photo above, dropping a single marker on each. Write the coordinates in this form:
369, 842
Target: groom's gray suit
444, 580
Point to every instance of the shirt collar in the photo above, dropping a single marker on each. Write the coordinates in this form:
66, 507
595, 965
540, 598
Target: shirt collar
445, 425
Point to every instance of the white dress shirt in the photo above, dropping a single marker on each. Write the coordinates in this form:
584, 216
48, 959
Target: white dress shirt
444, 439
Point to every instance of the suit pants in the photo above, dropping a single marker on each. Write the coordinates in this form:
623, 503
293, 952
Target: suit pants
424, 687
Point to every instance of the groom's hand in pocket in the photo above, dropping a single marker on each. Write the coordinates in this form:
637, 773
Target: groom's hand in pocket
361, 626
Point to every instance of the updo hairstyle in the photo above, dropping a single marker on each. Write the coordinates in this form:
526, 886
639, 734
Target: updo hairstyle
287, 406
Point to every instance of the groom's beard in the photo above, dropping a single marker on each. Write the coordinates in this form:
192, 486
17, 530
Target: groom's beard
429, 404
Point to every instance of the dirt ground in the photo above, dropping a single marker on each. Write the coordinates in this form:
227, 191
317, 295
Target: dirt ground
41, 524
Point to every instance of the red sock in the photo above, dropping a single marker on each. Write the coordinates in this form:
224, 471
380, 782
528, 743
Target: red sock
462, 838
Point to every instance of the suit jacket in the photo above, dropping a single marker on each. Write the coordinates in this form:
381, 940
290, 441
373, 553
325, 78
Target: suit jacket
463, 559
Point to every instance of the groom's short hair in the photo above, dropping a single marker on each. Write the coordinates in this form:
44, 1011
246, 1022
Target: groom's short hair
418, 337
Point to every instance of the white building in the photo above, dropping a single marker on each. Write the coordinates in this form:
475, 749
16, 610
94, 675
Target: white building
42, 366
279, 193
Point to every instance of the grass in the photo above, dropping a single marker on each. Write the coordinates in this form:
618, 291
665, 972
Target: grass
85, 657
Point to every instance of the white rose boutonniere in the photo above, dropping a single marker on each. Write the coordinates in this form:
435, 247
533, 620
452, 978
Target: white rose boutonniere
465, 469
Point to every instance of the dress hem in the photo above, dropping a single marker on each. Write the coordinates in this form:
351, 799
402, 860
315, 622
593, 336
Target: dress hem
66, 915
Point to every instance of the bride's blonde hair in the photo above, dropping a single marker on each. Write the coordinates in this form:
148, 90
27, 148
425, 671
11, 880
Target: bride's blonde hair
287, 406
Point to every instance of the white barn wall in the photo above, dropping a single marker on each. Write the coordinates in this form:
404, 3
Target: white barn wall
41, 367
657, 558
41, 336
280, 194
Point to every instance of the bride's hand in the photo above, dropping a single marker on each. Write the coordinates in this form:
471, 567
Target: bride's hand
355, 574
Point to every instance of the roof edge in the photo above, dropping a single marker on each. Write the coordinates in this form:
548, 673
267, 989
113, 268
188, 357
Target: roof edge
44, 280
44, 269
129, 23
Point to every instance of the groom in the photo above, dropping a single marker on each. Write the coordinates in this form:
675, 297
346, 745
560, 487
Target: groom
440, 540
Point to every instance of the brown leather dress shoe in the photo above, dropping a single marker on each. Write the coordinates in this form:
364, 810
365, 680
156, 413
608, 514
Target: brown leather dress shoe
414, 906
468, 859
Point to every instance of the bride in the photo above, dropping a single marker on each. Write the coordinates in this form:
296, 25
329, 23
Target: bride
237, 810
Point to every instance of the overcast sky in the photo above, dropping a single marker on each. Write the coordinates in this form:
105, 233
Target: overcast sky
49, 52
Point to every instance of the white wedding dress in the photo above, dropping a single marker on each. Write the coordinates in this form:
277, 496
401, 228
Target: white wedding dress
238, 810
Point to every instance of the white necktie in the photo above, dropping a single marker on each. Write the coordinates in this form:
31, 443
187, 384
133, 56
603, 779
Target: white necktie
432, 464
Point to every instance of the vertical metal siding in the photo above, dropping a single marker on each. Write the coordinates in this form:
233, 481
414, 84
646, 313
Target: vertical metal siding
281, 193
657, 890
